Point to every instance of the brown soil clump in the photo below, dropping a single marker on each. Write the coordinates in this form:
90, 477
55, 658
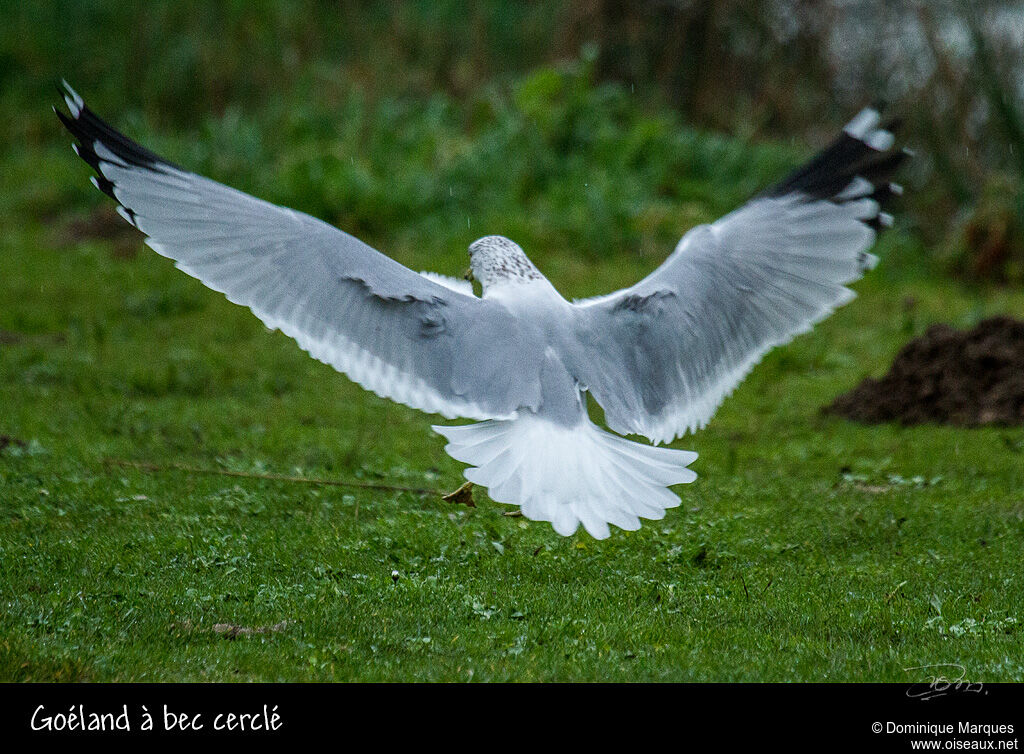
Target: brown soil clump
965, 378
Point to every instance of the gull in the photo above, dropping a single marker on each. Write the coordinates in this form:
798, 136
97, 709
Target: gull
520, 360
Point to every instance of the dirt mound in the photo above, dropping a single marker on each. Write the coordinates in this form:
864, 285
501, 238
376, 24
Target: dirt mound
966, 378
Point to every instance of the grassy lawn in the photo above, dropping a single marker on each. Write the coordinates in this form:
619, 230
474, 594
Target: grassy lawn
809, 548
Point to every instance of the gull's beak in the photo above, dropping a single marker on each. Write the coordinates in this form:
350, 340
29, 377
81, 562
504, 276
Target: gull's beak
468, 274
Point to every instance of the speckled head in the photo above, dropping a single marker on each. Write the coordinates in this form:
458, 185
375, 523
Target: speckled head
495, 260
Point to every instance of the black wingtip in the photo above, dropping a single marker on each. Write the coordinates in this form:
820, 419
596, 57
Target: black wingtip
89, 130
864, 153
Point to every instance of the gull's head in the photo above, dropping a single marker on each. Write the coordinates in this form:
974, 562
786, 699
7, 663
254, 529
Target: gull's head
495, 260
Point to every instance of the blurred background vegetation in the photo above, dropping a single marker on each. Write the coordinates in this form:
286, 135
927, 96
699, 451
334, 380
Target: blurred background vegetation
596, 125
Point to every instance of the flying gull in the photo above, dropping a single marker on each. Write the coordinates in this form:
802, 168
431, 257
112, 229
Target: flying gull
659, 357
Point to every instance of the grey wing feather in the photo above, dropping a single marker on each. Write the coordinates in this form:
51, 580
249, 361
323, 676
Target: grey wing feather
391, 330
666, 352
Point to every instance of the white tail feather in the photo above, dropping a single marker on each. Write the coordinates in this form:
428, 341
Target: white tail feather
570, 475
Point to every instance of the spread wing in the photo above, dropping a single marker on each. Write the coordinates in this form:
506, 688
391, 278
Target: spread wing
391, 330
666, 352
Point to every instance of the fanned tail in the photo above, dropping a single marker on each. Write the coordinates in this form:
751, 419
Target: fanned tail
570, 475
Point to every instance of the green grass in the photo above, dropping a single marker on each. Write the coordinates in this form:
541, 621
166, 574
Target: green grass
810, 548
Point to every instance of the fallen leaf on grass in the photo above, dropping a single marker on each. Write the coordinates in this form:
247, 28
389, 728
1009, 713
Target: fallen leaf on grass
462, 496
